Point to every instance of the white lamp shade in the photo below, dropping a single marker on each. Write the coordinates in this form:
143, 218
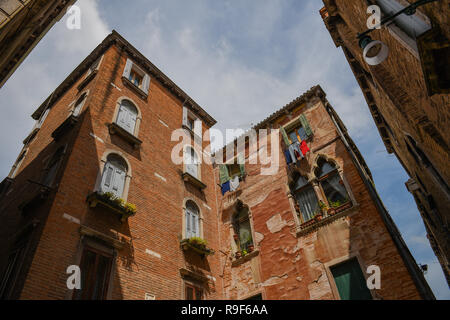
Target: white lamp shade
381, 55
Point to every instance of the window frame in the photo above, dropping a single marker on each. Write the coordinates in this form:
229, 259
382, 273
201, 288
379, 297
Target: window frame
186, 164
136, 115
128, 174
131, 66
235, 226
300, 214
78, 294
335, 262
199, 231
195, 289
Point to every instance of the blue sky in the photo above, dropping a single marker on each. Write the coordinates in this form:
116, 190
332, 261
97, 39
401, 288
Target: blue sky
240, 60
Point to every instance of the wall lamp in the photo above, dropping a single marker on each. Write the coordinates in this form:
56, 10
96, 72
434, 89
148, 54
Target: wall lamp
375, 51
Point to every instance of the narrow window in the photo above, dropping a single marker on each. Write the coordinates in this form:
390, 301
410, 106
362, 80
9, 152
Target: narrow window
305, 197
350, 281
136, 76
193, 292
192, 216
79, 105
242, 228
15, 258
331, 183
127, 116
95, 268
18, 163
192, 163
53, 166
113, 177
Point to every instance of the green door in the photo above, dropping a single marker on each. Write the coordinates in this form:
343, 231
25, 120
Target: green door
350, 281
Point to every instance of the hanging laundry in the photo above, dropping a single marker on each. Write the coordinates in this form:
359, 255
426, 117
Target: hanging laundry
304, 147
225, 187
288, 157
297, 151
234, 184
292, 153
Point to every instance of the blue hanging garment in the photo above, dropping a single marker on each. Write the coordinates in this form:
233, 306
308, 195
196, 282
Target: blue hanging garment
287, 154
225, 187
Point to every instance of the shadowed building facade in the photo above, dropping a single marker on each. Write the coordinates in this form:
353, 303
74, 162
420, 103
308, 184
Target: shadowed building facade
23, 23
408, 95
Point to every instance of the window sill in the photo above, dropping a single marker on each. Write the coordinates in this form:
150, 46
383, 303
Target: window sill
114, 128
201, 250
142, 94
66, 126
117, 243
245, 258
31, 136
314, 224
87, 80
194, 181
96, 199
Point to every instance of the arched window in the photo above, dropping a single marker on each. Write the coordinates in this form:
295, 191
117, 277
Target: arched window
53, 166
242, 228
192, 216
191, 162
127, 116
305, 197
114, 174
331, 183
79, 105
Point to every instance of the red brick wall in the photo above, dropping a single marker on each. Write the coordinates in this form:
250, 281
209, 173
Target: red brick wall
157, 224
291, 266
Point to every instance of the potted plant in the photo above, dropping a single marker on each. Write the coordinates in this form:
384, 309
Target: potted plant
250, 248
238, 255
323, 207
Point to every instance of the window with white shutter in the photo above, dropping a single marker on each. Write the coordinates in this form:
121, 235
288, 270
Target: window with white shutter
114, 174
79, 105
127, 116
136, 76
191, 162
192, 215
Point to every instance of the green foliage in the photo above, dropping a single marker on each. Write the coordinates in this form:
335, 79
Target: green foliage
197, 241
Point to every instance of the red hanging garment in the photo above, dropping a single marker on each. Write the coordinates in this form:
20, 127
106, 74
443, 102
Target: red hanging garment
304, 147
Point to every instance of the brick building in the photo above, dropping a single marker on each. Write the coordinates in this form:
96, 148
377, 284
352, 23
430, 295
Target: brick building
408, 97
22, 25
96, 186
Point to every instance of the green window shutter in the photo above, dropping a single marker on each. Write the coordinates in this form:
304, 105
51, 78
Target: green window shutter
242, 164
223, 173
285, 137
305, 125
350, 281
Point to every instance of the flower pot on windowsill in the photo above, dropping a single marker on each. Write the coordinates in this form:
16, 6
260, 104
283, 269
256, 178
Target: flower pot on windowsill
331, 211
250, 248
318, 217
238, 255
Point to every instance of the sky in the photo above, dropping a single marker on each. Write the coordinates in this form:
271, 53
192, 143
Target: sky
239, 60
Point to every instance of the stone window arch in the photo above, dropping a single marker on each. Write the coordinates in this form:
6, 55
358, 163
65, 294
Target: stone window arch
114, 174
127, 115
331, 182
304, 194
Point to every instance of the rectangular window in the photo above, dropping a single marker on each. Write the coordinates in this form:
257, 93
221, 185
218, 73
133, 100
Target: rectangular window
297, 134
193, 292
95, 268
350, 281
136, 76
